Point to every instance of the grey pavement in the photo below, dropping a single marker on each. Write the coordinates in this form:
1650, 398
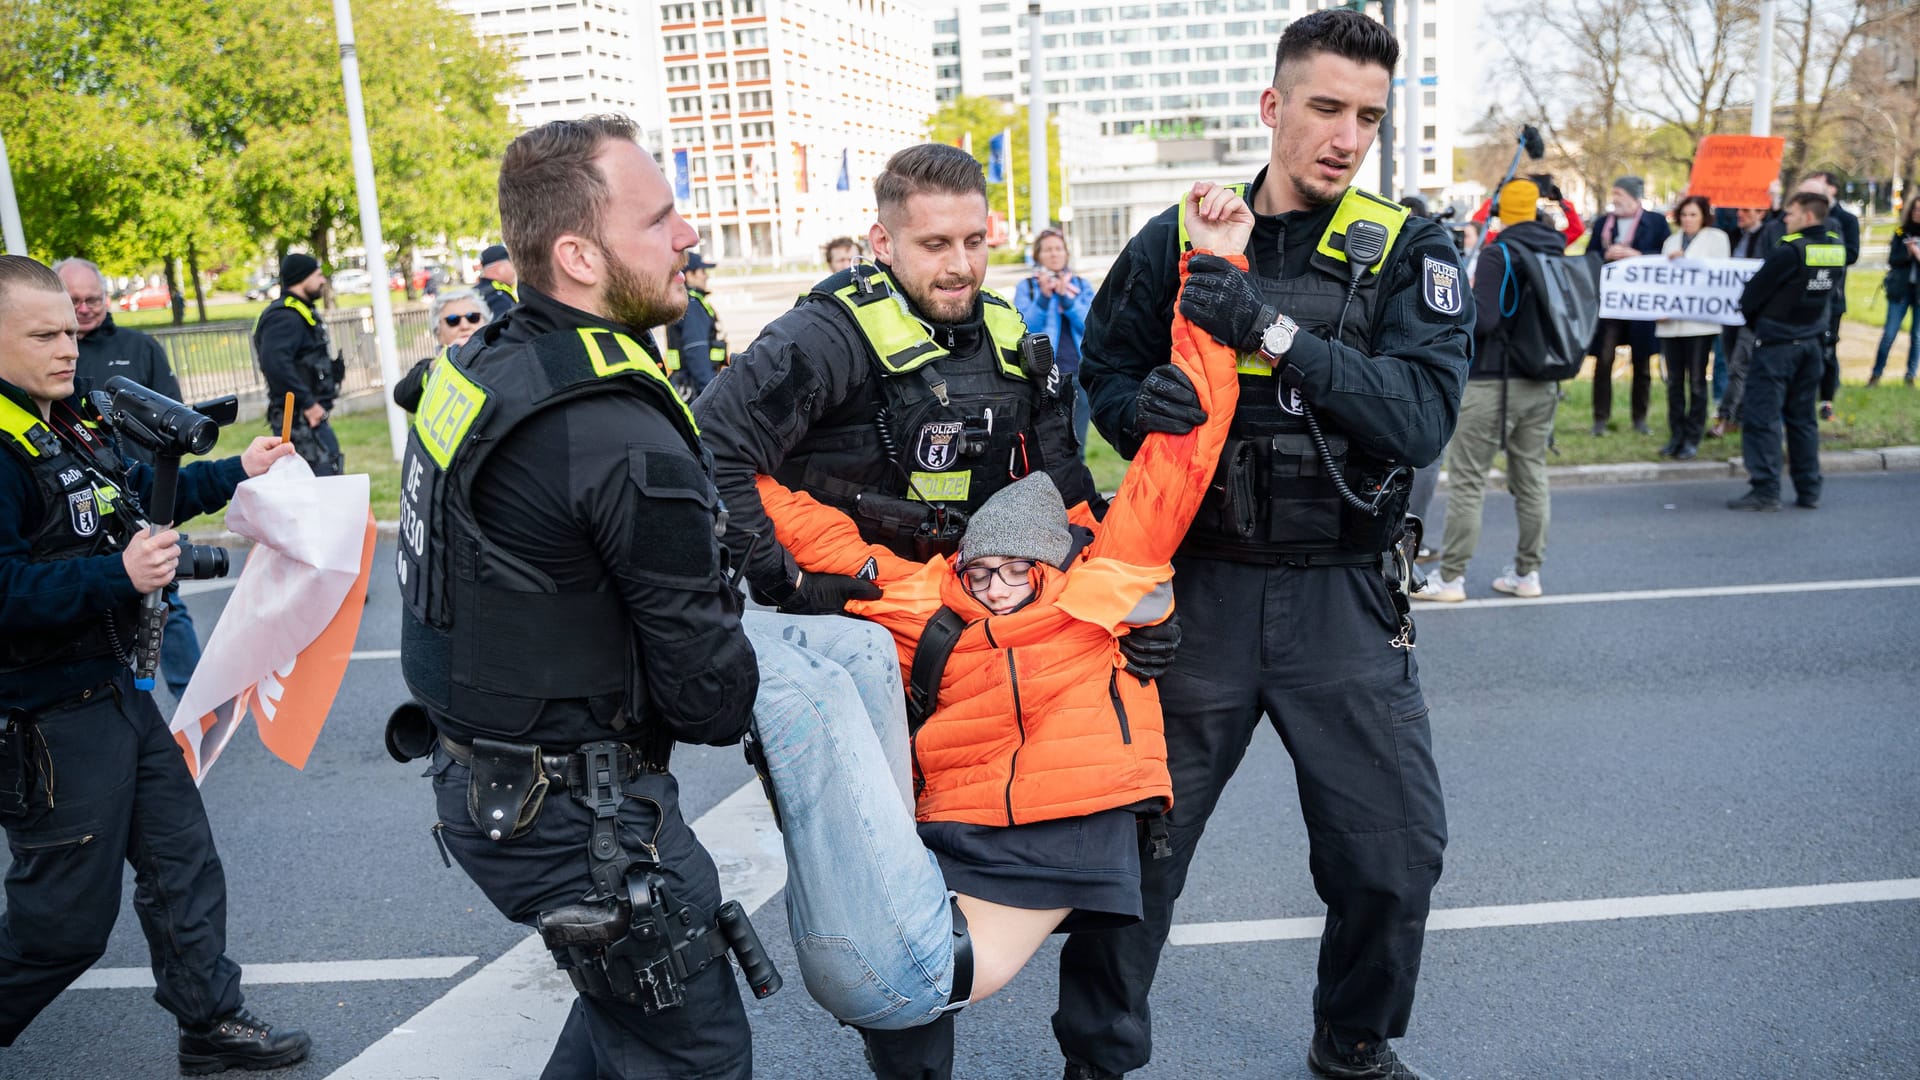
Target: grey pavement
1654, 747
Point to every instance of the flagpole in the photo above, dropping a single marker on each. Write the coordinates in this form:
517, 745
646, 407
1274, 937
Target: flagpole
16, 237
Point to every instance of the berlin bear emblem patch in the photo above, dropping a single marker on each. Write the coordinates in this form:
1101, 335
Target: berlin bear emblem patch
1440, 285
86, 521
935, 448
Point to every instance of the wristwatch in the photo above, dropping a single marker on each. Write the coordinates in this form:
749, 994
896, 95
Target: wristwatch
1275, 340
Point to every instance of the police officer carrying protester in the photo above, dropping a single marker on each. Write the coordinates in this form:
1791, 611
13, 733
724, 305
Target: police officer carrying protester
291, 348
89, 773
568, 616
904, 394
1785, 304
696, 342
1354, 328
499, 286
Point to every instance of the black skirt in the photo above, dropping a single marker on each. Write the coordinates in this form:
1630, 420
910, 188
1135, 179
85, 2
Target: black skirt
1090, 864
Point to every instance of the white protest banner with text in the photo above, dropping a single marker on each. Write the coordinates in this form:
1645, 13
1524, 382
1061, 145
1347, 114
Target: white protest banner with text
1649, 287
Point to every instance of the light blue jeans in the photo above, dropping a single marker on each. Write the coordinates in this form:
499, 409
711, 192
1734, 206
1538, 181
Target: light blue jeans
1897, 311
866, 904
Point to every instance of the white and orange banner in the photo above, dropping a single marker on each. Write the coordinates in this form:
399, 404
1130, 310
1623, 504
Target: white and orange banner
282, 645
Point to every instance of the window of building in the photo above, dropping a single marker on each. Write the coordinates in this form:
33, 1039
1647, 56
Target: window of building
947, 71
1092, 15
670, 13
946, 93
1427, 132
723, 164
716, 72
677, 106
1090, 37
946, 26
1202, 30
1176, 101
1128, 82
753, 69
1202, 76
1002, 30
1429, 167
1429, 30
1212, 54
746, 7
946, 48
1177, 10
1125, 37
1099, 105
993, 9
1252, 52
1139, 59
1053, 41
678, 43
725, 198
1095, 84
682, 74
1176, 56
1166, 33
1056, 86
714, 9
1210, 7
719, 103
1214, 101
1060, 18
1062, 63
1166, 78
1100, 60
1137, 104
755, 100
1136, 11
1429, 99
997, 76
755, 38
722, 133
996, 54
1246, 97
756, 129
1428, 65
716, 41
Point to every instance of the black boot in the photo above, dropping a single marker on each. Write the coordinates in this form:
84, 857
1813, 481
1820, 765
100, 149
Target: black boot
1077, 1071
1366, 1061
239, 1041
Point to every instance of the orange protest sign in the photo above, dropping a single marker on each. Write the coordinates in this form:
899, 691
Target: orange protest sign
1737, 170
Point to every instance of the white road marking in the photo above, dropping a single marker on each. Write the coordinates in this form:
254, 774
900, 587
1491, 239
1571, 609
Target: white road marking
524, 999
1570, 911
317, 971
375, 654
1424, 607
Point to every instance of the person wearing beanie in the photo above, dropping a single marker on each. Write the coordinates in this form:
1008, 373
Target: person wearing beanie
1500, 408
1550, 191
1622, 233
1034, 746
290, 345
499, 283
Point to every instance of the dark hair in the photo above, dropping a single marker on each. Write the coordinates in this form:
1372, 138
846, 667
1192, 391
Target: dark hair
1824, 176
1816, 203
1046, 234
1338, 31
21, 271
838, 242
1705, 205
1911, 215
550, 186
935, 167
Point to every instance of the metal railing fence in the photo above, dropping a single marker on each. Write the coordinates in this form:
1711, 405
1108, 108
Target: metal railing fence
217, 358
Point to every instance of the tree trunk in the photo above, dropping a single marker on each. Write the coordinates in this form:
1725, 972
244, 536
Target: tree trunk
406, 267
193, 271
317, 243
175, 299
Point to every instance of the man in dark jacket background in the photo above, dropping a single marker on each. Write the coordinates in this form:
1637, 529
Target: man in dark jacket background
107, 351
1501, 409
1622, 233
1842, 223
499, 286
291, 347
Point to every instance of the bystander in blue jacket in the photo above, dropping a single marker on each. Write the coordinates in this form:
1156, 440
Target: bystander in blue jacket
1054, 300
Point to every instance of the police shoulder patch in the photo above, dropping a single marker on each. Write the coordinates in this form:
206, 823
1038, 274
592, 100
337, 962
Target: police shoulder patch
82, 511
1440, 286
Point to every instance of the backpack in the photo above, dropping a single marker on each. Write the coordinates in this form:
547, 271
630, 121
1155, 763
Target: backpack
1554, 307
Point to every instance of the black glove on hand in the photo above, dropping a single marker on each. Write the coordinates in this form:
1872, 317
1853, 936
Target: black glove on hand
1149, 649
1223, 300
827, 594
1167, 403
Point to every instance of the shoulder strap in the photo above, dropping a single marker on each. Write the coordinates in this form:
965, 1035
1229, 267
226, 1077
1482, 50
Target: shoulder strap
929, 664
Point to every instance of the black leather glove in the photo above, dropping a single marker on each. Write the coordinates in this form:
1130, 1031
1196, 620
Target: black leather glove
1167, 403
1150, 649
827, 594
1223, 300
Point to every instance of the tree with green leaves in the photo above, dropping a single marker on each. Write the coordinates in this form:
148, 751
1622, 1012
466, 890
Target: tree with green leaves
983, 118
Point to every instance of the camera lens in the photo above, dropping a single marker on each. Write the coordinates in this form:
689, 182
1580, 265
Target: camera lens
199, 561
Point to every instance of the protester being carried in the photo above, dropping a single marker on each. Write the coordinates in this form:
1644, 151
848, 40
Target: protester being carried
1039, 749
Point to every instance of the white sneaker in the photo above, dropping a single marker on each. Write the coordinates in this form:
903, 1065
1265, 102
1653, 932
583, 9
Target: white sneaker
1441, 590
1525, 586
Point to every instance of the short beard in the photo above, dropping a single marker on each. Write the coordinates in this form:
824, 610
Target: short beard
633, 301
1311, 196
933, 310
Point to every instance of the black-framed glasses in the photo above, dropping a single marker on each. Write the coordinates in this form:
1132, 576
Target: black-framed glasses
1014, 572
473, 317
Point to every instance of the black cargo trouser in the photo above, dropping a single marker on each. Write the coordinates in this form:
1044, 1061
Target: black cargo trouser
121, 793
318, 446
706, 1038
1614, 333
1781, 389
1309, 649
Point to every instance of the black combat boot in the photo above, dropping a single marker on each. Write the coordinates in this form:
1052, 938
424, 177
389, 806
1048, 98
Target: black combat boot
1366, 1061
1077, 1071
239, 1041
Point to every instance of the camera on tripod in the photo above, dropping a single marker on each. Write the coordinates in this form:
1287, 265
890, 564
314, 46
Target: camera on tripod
169, 431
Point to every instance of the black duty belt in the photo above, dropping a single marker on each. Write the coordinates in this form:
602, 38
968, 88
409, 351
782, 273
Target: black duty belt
1300, 559
568, 766
1817, 335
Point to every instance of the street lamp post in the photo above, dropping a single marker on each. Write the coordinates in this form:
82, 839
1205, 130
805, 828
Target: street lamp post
1037, 193
16, 236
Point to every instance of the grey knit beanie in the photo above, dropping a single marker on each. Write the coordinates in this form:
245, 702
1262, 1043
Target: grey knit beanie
1024, 520
1632, 185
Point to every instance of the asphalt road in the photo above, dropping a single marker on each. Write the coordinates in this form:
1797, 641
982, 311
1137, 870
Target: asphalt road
1680, 748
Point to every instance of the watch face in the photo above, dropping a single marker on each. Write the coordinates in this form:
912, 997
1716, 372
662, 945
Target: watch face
1278, 338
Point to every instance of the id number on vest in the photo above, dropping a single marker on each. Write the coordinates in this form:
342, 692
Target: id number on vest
941, 486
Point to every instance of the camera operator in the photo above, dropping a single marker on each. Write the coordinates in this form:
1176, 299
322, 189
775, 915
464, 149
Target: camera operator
89, 773
1575, 228
293, 353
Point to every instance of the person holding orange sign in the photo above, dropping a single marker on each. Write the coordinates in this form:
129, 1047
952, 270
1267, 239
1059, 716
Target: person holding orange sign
89, 773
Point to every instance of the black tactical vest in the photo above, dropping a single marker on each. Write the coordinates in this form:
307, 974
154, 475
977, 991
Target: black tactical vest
1271, 496
948, 429
314, 354
80, 489
486, 638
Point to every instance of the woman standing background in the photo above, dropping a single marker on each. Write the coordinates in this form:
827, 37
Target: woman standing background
1687, 344
1903, 293
1054, 301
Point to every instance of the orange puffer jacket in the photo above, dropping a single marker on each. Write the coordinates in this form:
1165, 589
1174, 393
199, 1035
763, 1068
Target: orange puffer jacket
1038, 718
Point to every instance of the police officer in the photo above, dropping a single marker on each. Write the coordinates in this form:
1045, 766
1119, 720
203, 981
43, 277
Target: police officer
1785, 303
567, 613
499, 283
1352, 371
89, 773
696, 343
904, 394
292, 350
107, 351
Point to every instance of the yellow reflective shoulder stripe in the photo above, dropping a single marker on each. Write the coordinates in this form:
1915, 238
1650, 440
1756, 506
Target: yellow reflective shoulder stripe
1826, 255
633, 358
1006, 327
1186, 241
1791, 237
899, 339
512, 291
19, 424
294, 304
1356, 205
449, 404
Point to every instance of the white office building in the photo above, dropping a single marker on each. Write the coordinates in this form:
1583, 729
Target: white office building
576, 57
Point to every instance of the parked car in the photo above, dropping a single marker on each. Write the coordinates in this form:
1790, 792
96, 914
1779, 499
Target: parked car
352, 281
153, 296
263, 287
